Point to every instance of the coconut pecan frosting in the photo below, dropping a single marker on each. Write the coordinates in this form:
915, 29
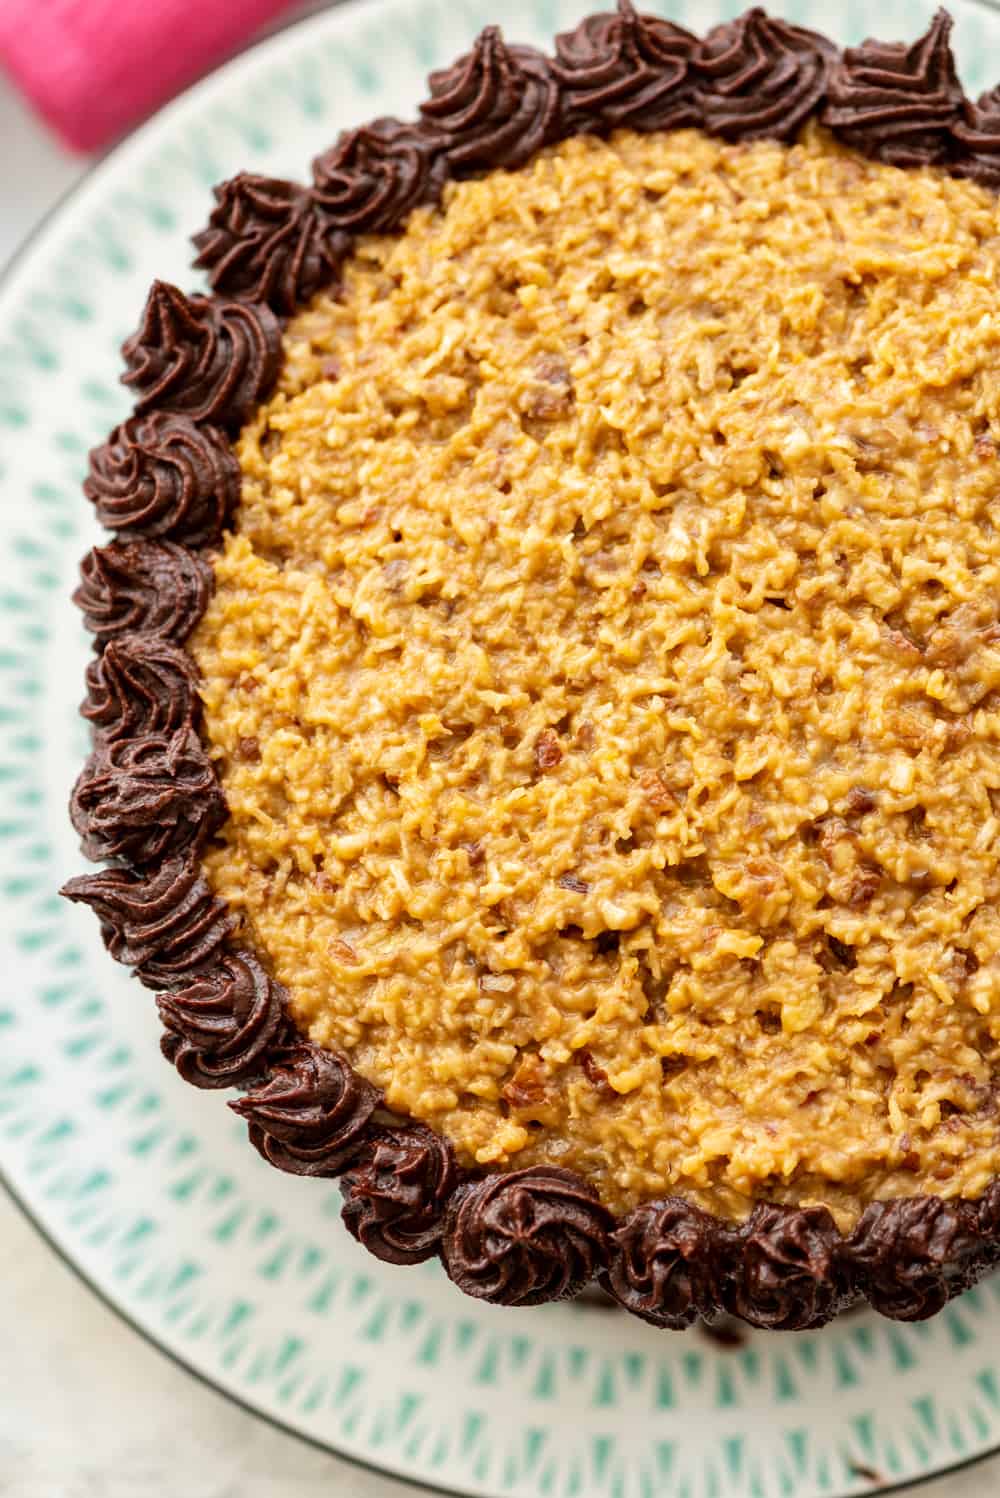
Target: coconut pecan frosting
166, 483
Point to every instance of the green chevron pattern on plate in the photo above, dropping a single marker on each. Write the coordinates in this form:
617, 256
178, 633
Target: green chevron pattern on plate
148, 1187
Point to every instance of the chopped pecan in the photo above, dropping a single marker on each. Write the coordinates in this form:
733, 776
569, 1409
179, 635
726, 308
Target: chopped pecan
864, 886
527, 1087
552, 395
595, 1075
657, 792
859, 801
547, 751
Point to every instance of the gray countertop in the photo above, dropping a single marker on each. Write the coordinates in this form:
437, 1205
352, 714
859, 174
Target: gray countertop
88, 1409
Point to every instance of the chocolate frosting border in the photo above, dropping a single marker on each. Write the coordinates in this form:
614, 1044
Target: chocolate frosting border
166, 482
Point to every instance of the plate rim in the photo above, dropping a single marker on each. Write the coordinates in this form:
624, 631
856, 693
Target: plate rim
21, 258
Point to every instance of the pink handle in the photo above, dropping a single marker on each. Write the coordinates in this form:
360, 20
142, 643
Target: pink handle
93, 68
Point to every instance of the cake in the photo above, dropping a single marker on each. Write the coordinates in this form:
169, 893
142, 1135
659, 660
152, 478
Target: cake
545, 677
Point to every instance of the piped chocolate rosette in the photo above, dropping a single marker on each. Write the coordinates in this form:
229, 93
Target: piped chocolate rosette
166, 483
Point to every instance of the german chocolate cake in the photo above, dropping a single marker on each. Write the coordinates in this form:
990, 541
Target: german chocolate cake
545, 690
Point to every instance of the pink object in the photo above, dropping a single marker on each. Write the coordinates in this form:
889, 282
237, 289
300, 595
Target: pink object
93, 68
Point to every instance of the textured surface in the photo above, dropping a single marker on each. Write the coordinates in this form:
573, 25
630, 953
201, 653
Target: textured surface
203, 362
864, 1408
610, 646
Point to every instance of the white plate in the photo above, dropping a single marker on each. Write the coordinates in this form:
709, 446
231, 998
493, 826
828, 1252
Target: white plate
149, 1188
